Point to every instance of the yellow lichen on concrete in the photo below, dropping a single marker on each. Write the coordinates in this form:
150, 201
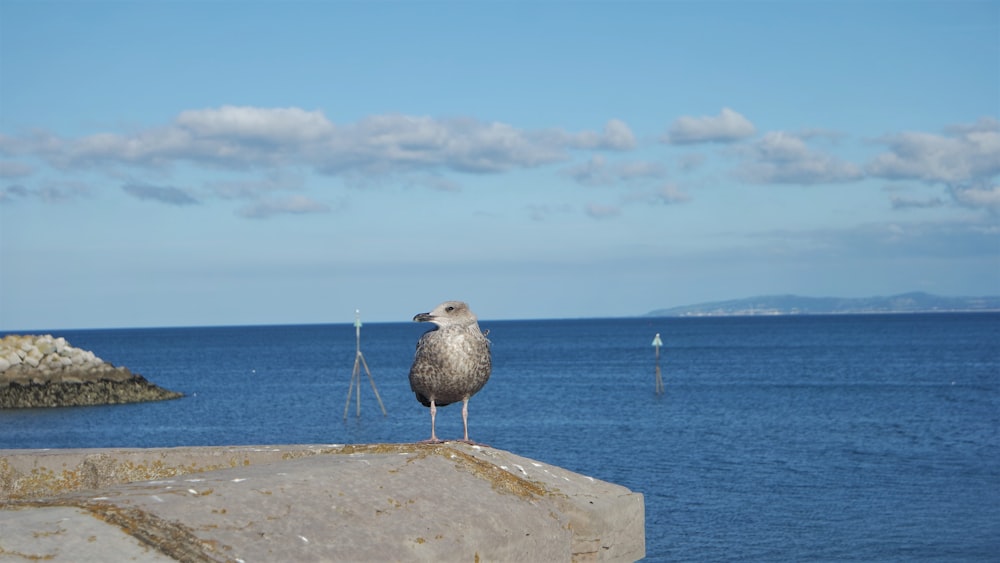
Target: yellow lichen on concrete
27, 556
91, 473
112, 468
39, 481
105, 470
500, 479
170, 538
306, 453
29, 475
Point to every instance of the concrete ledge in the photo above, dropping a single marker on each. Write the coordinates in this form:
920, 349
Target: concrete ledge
310, 503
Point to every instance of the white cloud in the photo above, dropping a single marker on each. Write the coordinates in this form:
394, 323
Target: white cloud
978, 197
666, 194
783, 158
592, 172
966, 159
616, 136
985, 124
268, 125
971, 153
387, 143
726, 127
155, 148
597, 171
671, 193
248, 137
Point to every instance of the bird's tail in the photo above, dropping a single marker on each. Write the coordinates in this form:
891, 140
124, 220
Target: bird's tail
427, 402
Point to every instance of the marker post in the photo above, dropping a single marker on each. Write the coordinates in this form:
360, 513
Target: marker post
659, 378
359, 359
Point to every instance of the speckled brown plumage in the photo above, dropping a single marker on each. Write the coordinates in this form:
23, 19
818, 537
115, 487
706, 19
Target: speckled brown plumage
452, 361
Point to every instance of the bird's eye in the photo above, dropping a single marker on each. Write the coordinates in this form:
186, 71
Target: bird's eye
449, 308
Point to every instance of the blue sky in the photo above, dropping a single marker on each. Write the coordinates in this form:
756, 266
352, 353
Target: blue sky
213, 163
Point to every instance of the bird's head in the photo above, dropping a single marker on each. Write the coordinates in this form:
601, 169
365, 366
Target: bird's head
449, 313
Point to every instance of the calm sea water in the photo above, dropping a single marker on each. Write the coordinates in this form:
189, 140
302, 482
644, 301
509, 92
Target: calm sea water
841, 438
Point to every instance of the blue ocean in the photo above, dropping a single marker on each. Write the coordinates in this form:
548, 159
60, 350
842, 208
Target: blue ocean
812, 438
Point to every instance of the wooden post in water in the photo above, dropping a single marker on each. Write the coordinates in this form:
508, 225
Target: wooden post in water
359, 359
659, 379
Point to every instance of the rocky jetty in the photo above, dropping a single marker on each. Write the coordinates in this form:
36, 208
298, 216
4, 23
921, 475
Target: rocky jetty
42, 371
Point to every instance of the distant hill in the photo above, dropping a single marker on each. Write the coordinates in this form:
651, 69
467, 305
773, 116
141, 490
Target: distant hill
916, 302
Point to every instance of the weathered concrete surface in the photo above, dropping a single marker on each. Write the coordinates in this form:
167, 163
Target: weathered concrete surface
67, 534
378, 502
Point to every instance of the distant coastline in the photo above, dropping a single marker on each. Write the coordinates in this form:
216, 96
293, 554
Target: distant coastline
772, 305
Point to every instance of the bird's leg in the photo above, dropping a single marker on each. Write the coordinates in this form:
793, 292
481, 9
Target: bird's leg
465, 424
434, 411
433, 439
465, 418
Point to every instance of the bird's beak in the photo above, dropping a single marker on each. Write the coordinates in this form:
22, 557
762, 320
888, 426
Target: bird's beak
423, 317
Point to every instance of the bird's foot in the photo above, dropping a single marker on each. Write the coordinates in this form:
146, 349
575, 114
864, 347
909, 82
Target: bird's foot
431, 440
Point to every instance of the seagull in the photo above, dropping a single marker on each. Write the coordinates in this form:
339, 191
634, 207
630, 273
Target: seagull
452, 361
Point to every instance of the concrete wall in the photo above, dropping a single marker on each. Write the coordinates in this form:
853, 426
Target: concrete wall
379, 502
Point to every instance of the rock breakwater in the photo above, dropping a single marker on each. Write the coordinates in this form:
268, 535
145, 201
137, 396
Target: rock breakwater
42, 371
